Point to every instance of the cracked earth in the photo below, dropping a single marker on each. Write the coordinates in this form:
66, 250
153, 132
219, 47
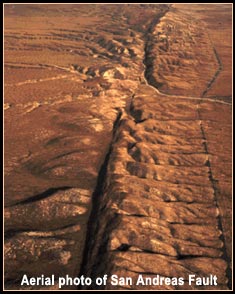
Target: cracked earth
118, 142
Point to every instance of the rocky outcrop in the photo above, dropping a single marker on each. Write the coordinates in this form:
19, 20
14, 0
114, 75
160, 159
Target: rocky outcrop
161, 209
65, 85
182, 53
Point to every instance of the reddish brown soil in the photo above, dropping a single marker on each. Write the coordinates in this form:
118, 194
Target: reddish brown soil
117, 142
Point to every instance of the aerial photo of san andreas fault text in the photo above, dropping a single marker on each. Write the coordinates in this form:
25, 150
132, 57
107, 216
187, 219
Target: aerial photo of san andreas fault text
117, 146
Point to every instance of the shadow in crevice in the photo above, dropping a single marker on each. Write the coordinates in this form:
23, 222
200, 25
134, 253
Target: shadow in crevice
41, 196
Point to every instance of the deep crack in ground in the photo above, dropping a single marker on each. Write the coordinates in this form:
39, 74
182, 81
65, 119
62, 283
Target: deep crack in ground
119, 153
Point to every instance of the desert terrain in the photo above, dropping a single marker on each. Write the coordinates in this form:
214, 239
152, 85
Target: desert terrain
118, 143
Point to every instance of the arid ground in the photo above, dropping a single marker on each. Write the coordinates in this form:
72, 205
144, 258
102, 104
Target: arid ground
118, 143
